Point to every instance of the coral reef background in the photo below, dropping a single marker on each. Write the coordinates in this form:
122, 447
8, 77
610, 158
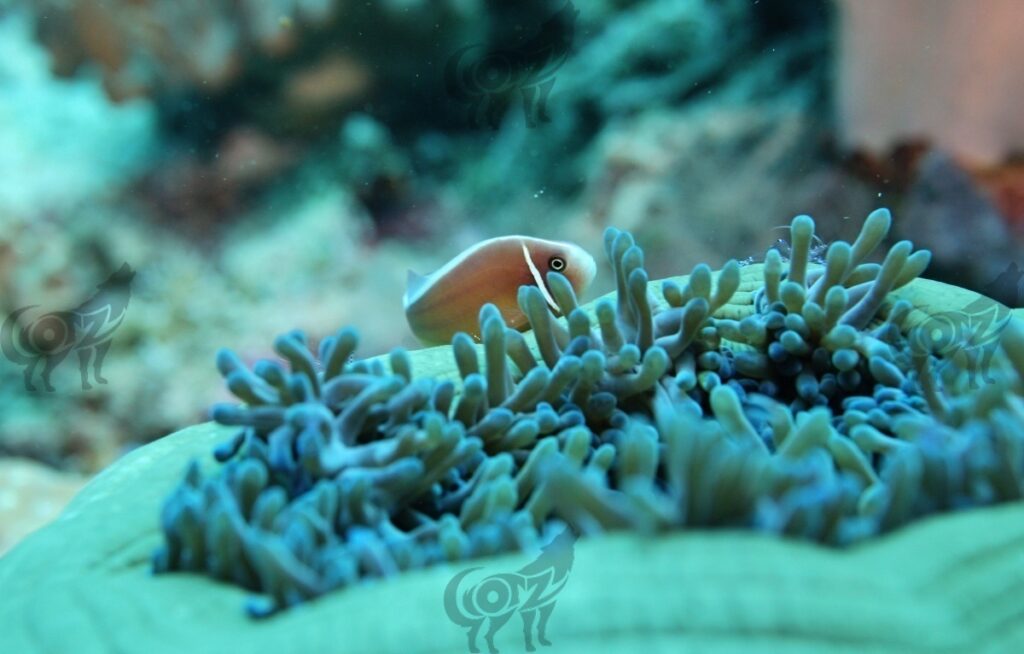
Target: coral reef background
270, 165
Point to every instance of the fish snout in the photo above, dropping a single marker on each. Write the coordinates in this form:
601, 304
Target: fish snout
587, 268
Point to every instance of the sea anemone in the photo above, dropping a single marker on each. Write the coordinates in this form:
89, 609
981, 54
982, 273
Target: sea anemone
790, 397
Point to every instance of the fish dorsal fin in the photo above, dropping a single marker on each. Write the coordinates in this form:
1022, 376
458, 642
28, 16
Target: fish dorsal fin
414, 283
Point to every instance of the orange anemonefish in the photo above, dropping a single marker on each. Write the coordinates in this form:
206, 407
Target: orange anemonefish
449, 300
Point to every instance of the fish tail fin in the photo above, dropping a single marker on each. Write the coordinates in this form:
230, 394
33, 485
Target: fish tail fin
414, 283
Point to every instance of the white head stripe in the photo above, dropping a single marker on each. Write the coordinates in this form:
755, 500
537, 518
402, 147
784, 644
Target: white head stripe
537, 278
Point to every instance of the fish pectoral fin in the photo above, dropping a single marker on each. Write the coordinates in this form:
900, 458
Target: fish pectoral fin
414, 283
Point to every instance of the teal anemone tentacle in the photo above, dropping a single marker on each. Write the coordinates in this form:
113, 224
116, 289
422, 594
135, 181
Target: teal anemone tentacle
802, 398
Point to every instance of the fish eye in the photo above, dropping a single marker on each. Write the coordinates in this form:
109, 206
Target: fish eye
556, 263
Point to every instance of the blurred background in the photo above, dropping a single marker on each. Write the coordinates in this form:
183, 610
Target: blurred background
263, 165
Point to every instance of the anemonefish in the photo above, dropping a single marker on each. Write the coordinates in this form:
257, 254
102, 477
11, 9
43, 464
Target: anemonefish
449, 300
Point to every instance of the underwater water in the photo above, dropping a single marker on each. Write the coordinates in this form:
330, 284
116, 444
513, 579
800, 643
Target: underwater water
461, 279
